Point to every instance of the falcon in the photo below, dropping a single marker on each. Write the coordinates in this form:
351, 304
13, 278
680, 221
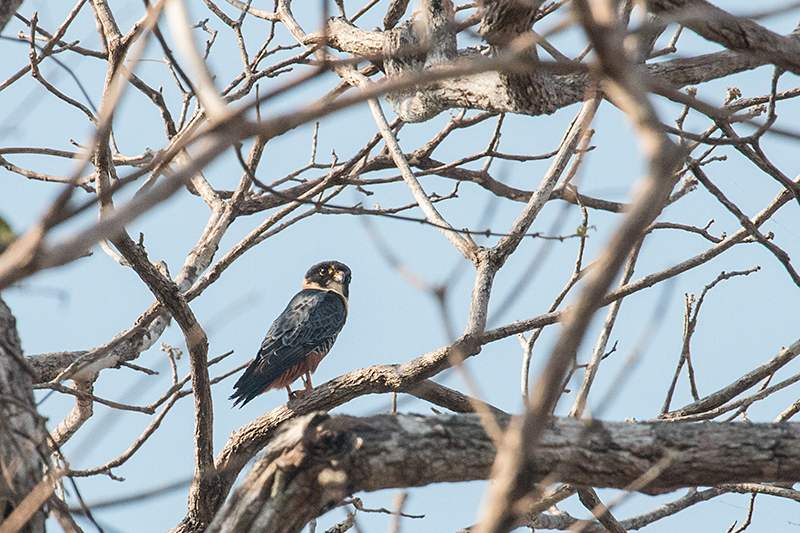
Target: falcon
301, 335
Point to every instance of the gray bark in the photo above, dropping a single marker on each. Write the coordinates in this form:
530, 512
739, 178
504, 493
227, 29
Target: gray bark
22, 446
7, 10
318, 460
541, 88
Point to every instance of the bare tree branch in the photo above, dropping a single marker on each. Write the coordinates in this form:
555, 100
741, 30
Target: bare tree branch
317, 460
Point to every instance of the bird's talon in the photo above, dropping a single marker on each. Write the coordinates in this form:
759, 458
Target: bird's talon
301, 335
296, 394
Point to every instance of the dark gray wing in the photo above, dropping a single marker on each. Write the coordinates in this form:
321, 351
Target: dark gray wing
310, 322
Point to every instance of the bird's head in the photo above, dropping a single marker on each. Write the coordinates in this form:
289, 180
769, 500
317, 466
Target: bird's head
329, 276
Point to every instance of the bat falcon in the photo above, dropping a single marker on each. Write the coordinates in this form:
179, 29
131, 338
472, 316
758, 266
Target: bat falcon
301, 335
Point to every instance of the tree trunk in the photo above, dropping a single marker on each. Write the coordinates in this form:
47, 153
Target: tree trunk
22, 446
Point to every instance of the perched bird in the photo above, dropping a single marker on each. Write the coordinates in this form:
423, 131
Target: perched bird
301, 335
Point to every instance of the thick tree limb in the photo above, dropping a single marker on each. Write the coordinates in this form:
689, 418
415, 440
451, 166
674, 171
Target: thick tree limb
732, 32
497, 92
22, 434
317, 460
502, 21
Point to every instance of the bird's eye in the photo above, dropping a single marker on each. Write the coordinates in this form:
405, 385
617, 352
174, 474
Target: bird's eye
321, 271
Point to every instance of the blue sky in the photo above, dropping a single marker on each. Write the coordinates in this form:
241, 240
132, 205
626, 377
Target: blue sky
744, 321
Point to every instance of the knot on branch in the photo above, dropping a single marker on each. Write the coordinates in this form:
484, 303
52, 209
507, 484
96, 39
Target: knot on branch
414, 46
405, 55
403, 49
502, 21
440, 31
296, 479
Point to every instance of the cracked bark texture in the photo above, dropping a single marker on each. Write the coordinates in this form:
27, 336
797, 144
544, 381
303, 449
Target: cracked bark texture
317, 460
732, 32
22, 446
517, 82
502, 21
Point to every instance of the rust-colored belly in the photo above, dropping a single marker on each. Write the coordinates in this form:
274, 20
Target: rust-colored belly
308, 364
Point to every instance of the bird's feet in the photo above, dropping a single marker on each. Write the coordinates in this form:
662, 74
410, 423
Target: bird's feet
296, 393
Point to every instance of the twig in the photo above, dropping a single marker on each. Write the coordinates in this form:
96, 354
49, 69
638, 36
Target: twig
85, 395
598, 354
690, 323
748, 519
779, 254
151, 428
